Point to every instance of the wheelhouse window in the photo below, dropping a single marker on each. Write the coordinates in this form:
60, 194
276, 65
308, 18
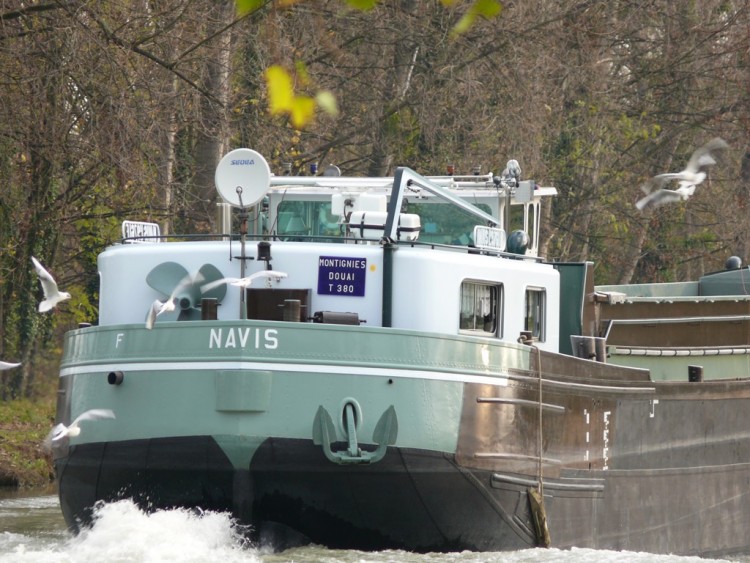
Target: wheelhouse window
305, 218
534, 321
444, 223
480, 308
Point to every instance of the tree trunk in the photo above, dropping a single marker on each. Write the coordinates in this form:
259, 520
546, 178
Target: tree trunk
165, 167
404, 58
212, 133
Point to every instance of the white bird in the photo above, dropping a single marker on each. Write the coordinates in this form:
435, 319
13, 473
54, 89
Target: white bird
158, 306
59, 431
8, 365
687, 180
244, 282
52, 296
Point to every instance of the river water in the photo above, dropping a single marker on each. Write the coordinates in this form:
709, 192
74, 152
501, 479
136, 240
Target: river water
32, 530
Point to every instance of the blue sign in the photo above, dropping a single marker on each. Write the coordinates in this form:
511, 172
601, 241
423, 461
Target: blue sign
341, 276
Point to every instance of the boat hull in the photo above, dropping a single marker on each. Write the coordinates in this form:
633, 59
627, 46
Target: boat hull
467, 429
411, 500
291, 494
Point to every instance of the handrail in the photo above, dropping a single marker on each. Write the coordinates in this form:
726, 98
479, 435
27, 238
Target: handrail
334, 239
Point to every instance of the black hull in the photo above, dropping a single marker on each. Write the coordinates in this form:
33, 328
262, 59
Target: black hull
410, 500
159, 473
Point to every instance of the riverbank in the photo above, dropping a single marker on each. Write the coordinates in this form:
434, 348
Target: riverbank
23, 426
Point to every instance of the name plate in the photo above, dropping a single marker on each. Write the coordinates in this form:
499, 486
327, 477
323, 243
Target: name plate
341, 276
138, 231
489, 238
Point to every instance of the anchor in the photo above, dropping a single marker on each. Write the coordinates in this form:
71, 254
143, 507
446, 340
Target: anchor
324, 434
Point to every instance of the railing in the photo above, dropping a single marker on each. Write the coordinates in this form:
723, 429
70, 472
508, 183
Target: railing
330, 239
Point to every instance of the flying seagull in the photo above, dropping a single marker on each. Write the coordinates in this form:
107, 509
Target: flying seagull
8, 365
244, 282
52, 296
687, 180
158, 306
59, 431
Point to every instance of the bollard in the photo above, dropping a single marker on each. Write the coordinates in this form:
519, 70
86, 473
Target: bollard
209, 311
292, 309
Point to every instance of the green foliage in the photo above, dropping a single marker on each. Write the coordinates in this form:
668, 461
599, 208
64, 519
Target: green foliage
479, 8
245, 7
403, 129
23, 426
362, 4
94, 233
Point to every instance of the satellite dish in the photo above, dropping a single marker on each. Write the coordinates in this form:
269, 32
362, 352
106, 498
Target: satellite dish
242, 177
332, 170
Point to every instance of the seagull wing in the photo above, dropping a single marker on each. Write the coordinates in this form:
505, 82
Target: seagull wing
51, 294
659, 180
8, 365
704, 156
153, 311
657, 198
92, 414
49, 286
246, 282
243, 282
217, 283
57, 432
644, 202
269, 274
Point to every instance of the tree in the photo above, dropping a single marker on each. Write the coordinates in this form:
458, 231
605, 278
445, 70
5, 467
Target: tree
114, 111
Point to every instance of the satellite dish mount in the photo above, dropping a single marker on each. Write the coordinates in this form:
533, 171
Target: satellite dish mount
239, 196
242, 172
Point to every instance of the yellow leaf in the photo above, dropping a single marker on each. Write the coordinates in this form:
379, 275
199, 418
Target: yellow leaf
245, 7
280, 91
363, 5
464, 23
327, 102
484, 8
302, 111
487, 8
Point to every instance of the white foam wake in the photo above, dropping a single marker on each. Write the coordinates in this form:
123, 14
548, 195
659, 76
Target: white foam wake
121, 532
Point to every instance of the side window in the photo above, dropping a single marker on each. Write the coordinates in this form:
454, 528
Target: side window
304, 218
480, 308
292, 218
534, 321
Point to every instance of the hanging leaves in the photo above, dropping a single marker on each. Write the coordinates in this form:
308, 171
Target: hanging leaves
479, 8
363, 5
245, 7
300, 108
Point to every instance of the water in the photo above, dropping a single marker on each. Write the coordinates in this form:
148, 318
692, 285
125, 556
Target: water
32, 530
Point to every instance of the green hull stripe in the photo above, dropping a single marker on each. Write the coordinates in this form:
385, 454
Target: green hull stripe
291, 367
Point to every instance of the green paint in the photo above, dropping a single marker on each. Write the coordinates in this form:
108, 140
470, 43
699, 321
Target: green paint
243, 390
244, 381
